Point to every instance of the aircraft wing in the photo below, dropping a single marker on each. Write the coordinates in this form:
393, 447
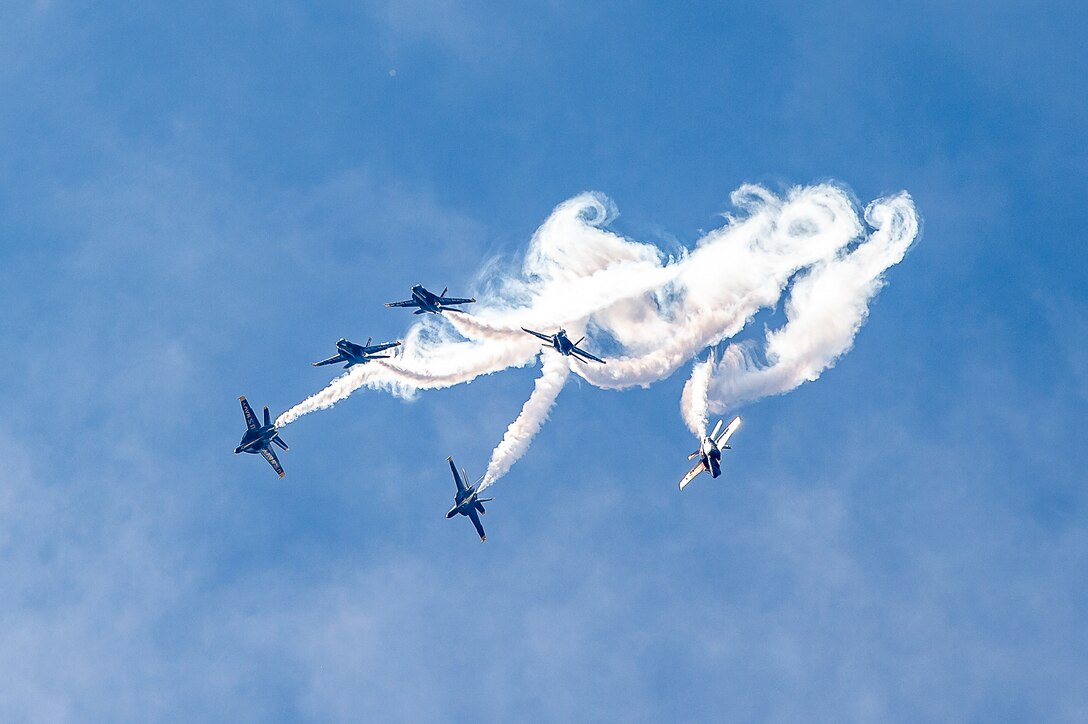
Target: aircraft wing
479, 526
330, 361
579, 351
691, 474
455, 300
405, 303
544, 337
456, 475
272, 460
724, 438
380, 347
251, 419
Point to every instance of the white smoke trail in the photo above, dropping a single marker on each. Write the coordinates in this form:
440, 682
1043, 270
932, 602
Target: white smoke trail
824, 312
430, 360
649, 315
693, 401
553, 375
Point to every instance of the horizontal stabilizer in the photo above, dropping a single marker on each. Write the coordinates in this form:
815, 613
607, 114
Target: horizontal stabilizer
279, 441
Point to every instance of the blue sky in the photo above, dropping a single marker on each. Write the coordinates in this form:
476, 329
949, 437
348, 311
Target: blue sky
196, 199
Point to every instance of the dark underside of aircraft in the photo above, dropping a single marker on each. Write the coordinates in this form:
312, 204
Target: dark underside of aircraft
259, 438
356, 354
562, 344
428, 301
467, 501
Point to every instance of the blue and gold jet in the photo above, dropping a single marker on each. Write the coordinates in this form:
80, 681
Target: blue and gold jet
428, 301
710, 452
466, 500
258, 438
356, 354
564, 346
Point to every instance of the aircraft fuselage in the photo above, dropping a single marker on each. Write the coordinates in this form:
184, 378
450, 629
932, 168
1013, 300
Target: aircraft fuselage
562, 343
428, 301
464, 503
711, 456
355, 354
253, 441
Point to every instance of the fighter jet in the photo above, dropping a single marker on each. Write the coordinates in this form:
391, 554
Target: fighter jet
428, 301
258, 437
563, 345
465, 501
356, 354
710, 452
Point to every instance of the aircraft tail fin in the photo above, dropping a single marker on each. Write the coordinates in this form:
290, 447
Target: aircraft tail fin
693, 455
419, 311
579, 341
368, 341
267, 417
444, 290
714, 435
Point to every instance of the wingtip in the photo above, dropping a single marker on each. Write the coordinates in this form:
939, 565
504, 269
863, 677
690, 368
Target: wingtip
283, 475
241, 398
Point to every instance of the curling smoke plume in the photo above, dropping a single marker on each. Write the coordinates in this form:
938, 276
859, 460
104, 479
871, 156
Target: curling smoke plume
648, 314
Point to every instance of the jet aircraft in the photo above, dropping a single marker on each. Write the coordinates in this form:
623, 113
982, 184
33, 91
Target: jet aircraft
563, 345
258, 437
710, 452
466, 501
428, 301
356, 354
